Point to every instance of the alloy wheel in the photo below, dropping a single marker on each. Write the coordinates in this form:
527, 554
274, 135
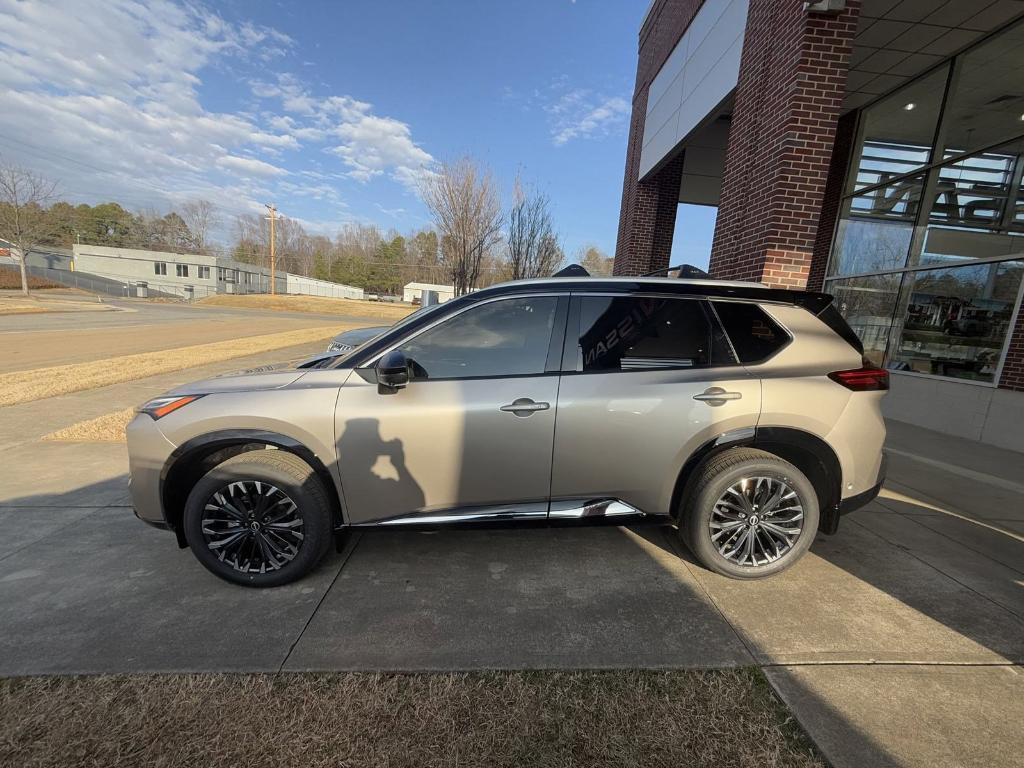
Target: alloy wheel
756, 521
252, 526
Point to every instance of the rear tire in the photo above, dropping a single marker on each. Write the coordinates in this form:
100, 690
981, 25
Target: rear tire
751, 514
259, 519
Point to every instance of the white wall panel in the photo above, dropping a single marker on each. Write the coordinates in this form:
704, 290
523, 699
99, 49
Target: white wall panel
697, 76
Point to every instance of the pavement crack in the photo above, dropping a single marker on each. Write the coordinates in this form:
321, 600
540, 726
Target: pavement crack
357, 537
674, 546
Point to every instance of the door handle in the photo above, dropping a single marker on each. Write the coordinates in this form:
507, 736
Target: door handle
717, 396
524, 406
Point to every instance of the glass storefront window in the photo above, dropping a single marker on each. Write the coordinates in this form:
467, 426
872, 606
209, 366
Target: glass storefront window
928, 257
877, 227
868, 303
898, 132
973, 210
955, 321
986, 104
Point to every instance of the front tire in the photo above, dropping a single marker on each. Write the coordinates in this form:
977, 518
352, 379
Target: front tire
259, 519
751, 514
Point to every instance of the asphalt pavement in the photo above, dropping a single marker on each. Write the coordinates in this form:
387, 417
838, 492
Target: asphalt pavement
897, 641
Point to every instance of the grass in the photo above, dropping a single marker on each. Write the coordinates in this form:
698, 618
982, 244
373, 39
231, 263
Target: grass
10, 277
625, 718
24, 386
20, 307
315, 304
108, 428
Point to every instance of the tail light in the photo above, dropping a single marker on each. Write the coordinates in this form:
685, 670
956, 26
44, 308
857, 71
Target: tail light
866, 379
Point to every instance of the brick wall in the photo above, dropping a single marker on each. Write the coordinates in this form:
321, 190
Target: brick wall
846, 134
1013, 368
647, 240
646, 219
791, 85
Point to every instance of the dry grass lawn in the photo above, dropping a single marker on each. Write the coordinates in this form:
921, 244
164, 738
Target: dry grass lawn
10, 277
17, 304
108, 428
315, 304
35, 384
522, 719
16, 307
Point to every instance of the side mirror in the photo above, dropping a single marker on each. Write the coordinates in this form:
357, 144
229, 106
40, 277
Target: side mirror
392, 372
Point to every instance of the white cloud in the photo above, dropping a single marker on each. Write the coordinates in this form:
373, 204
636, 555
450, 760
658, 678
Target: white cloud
106, 96
249, 166
582, 114
369, 145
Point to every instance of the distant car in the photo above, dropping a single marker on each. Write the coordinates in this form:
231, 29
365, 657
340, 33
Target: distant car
349, 340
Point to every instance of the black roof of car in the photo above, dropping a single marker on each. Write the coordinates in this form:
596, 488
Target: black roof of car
721, 289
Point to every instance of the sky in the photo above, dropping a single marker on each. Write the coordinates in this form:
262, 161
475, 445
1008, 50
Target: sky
331, 110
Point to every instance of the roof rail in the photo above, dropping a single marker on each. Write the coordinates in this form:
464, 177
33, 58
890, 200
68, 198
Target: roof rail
684, 271
572, 270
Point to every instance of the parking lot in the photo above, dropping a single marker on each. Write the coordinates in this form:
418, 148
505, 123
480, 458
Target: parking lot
897, 641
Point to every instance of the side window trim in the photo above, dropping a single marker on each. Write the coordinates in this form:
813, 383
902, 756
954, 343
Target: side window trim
572, 361
559, 334
716, 322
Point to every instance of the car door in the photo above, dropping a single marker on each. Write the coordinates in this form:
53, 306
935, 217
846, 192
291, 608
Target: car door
648, 380
471, 434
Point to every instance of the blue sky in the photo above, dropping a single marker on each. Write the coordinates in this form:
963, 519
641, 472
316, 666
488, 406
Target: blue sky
330, 109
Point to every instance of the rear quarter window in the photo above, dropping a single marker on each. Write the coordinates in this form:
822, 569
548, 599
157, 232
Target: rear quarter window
754, 335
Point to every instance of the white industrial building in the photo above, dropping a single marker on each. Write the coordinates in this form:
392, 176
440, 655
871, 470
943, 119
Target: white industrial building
413, 292
194, 275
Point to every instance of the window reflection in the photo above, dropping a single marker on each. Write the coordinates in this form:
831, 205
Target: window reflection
985, 106
640, 333
877, 228
867, 303
898, 132
946, 315
956, 320
973, 210
500, 338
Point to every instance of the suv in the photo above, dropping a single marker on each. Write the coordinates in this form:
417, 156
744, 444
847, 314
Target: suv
745, 414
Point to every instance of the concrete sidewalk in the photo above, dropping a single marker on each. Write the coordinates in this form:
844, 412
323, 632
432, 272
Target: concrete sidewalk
894, 642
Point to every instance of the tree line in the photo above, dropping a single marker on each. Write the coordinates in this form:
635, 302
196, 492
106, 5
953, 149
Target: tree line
472, 243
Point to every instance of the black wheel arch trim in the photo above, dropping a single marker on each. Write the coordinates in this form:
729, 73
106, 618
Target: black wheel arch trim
827, 473
191, 456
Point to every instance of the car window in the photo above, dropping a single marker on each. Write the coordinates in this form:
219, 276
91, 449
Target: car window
754, 335
646, 332
509, 337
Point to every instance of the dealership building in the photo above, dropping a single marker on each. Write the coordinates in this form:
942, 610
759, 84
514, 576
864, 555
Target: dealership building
873, 149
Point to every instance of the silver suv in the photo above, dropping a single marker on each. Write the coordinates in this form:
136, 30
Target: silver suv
744, 414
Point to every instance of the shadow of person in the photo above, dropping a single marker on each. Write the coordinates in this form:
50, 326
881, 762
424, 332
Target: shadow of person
378, 484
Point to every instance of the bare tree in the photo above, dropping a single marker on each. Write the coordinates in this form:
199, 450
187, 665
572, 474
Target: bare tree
463, 200
200, 217
533, 248
23, 222
594, 260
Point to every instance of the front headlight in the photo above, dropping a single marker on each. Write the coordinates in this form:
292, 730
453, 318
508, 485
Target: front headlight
161, 406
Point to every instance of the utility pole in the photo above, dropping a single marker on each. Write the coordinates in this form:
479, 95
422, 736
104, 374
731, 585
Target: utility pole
273, 262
